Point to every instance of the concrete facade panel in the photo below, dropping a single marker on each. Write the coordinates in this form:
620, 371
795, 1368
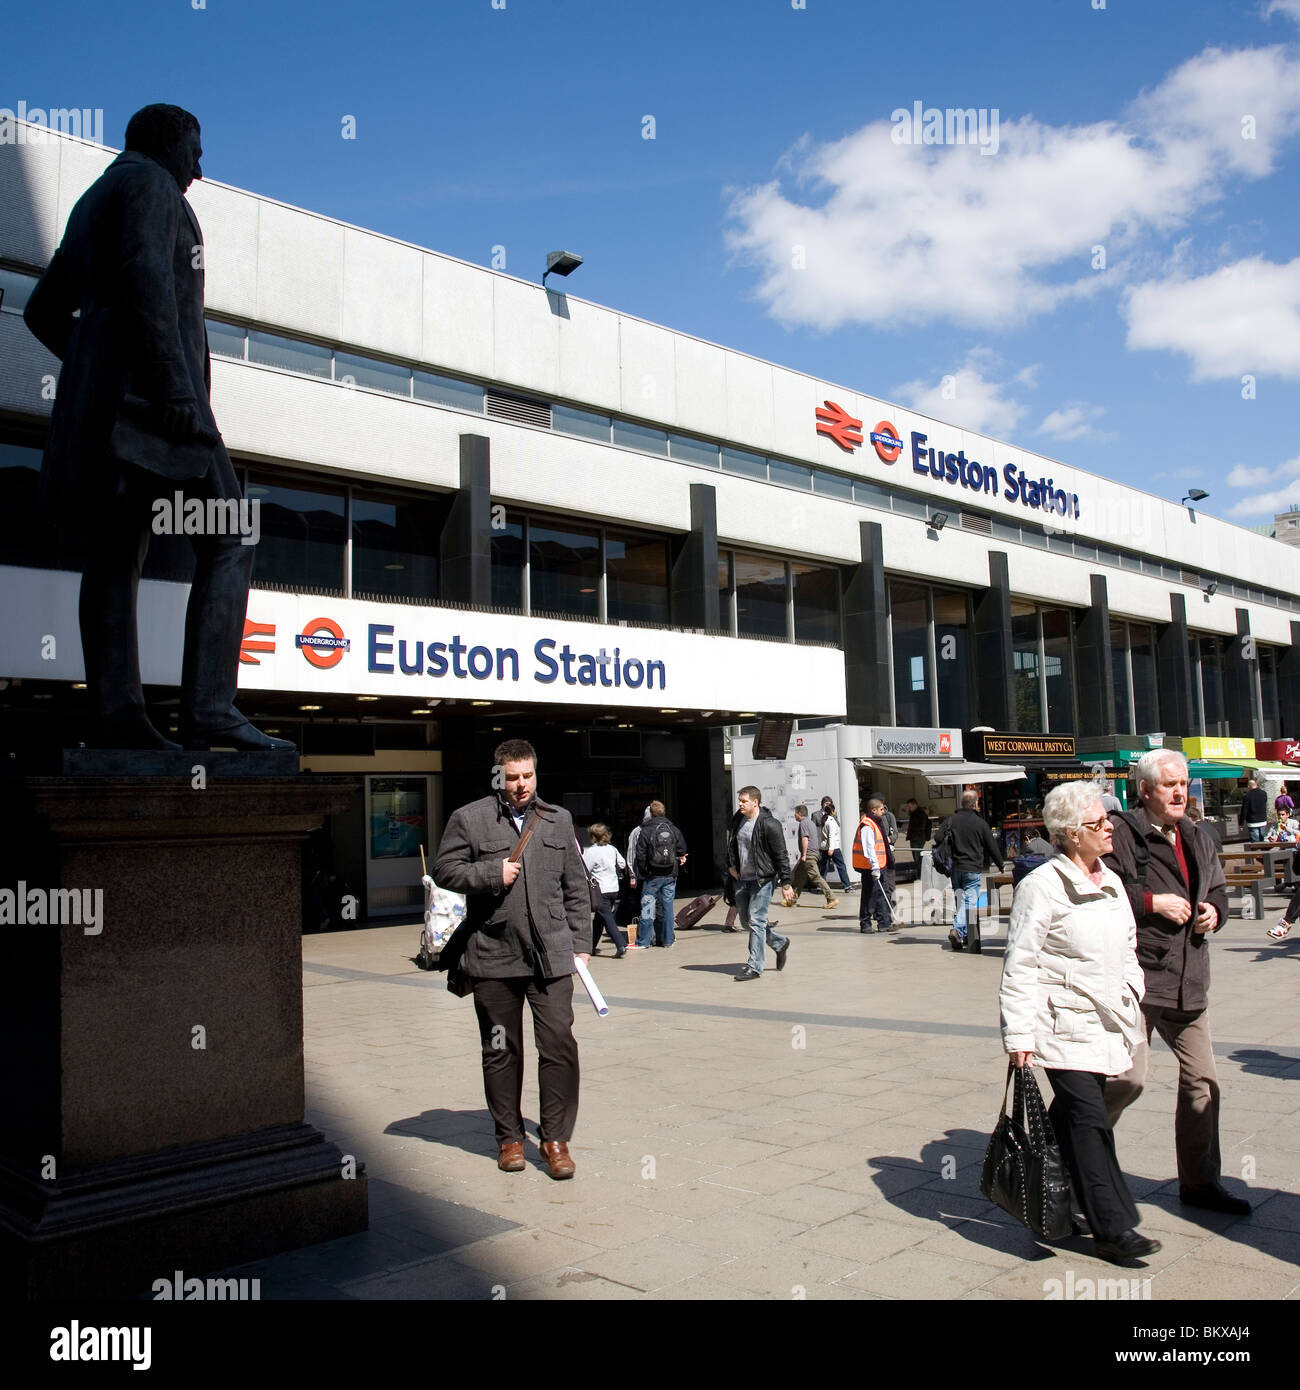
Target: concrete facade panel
457, 332
382, 309
300, 272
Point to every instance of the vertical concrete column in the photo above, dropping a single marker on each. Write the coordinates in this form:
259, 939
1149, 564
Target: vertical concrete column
994, 702
1241, 681
465, 559
1094, 664
1288, 684
694, 577
867, 663
1174, 671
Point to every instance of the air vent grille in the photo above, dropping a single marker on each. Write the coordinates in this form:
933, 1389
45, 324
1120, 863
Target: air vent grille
521, 411
976, 521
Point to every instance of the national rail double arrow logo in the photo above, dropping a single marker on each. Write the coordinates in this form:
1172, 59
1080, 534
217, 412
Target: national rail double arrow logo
836, 422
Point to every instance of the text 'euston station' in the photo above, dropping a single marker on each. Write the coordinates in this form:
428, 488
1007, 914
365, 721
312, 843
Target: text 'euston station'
1042, 494
459, 659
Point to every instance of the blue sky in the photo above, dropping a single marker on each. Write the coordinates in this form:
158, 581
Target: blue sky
776, 210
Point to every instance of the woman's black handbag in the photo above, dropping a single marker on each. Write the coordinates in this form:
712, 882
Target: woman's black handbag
1024, 1172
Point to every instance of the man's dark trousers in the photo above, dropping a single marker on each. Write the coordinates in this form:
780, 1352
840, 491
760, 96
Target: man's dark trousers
872, 902
499, 1005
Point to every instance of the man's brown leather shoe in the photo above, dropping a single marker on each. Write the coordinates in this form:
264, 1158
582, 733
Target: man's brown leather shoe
511, 1158
556, 1154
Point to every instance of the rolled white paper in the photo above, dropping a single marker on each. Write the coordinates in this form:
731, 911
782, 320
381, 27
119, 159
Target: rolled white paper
597, 998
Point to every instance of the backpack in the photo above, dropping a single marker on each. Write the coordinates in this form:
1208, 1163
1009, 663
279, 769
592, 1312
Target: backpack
1024, 864
941, 855
662, 854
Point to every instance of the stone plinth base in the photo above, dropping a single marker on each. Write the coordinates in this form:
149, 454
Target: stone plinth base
151, 1017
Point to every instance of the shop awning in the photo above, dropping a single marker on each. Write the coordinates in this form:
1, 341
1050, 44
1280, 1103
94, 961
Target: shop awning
1273, 769
946, 770
1213, 767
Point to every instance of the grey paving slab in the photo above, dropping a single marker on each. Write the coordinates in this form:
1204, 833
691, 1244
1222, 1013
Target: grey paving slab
820, 1131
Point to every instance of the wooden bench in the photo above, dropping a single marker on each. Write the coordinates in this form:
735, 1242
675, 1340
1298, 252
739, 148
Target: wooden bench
1249, 876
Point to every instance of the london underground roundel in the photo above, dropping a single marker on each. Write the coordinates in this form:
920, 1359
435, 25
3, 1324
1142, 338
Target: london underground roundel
885, 441
322, 643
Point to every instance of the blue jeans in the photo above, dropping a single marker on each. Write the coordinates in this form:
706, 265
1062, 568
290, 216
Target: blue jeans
752, 901
1257, 833
656, 890
967, 888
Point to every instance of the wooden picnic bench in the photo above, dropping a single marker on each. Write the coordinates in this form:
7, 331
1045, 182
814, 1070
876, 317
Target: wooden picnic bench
1247, 871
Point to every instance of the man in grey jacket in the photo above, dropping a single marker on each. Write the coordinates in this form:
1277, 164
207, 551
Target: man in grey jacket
1179, 898
527, 918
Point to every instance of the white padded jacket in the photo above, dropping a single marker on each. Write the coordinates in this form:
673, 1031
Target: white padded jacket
1071, 982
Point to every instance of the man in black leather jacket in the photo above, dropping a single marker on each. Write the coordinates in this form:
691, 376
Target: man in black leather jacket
757, 860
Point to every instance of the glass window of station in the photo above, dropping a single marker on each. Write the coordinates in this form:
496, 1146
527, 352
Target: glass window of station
931, 644
1042, 660
1133, 674
784, 600
546, 564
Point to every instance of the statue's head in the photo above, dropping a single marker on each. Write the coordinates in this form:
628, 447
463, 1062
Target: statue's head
170, 135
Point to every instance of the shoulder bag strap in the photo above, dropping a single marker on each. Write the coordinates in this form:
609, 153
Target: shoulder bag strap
525, 835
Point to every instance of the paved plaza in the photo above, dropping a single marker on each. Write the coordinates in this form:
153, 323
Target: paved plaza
817, 1133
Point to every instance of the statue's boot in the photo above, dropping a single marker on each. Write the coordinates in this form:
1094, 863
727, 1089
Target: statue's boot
214, 629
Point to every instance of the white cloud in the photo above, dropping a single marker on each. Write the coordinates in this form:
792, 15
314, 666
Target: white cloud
868, 231
1242, 318
1075, 421
1281, 497
1290, 9
969, 398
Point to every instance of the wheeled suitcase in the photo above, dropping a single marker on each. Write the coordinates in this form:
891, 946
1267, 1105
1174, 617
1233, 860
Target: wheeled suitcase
690, 915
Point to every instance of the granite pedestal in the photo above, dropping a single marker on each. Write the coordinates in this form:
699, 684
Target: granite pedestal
152, 1094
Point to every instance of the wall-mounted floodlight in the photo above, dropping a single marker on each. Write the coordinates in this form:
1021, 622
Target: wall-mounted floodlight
561, 263
939, 520
1212, 588
1195, 494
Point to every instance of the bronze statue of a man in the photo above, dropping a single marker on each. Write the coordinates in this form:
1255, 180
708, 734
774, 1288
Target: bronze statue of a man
122, 305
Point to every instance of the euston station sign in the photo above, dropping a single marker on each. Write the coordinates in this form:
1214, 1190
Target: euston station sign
952, 470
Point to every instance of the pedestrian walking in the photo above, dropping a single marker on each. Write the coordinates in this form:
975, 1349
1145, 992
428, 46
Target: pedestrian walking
973, 850
528, 917
805, 871
832, 850
660, 854
606, 864
1253, 815
874, 913
1288, 918
918, 825
1070, 997
757, 861
881, 814
1176, 889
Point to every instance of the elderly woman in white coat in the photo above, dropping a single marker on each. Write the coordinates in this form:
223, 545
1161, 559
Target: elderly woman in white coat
1071, 987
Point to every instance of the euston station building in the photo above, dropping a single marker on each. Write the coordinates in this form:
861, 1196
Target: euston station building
488, 508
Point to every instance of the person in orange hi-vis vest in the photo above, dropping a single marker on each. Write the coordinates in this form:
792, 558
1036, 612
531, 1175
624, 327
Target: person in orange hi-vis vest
869, 860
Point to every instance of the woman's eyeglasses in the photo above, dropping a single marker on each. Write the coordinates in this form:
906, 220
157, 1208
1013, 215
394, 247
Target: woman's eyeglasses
1094, 825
